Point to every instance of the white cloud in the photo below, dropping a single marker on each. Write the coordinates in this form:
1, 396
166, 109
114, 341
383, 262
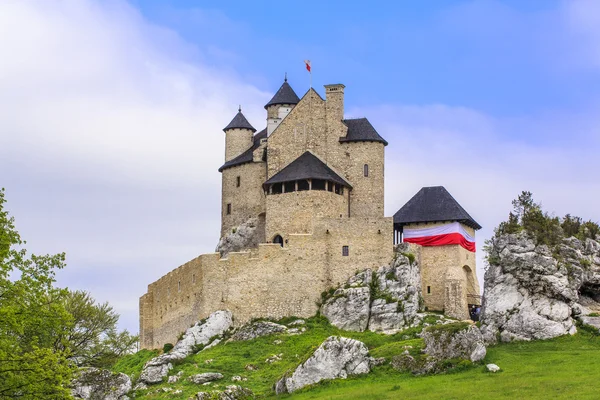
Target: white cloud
582, 17
110, 141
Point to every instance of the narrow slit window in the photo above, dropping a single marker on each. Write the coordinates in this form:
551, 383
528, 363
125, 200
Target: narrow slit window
345, 251
366, 170
228, 208
179, 286
428, 289
238, 181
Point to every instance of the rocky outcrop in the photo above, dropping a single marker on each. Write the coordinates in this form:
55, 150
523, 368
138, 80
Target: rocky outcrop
199, 379
387, 300
200, 334
246, 236
232, 392
444, 346
100, 384
337, 357
533, 292
258, 329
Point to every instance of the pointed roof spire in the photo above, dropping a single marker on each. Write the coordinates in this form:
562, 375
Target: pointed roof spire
239, 122
285, 95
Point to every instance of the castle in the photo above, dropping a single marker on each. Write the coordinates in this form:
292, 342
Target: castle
312, 185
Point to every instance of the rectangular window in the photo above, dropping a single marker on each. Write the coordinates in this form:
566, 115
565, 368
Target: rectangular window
179, 286
238, 181
366, 170
345, 251
194, 278
428, 289
228, 208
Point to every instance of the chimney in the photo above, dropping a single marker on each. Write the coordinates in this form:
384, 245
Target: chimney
334, 97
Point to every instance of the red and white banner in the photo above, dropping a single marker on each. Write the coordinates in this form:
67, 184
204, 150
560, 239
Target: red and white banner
452, 233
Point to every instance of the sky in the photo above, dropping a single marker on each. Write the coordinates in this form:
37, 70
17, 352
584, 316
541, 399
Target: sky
111, 113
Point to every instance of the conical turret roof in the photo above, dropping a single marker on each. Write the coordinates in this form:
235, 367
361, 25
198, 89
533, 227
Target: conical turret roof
285, 95
239, 122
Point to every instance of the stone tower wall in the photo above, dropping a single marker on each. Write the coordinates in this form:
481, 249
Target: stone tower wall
247, 200
268, 282
237, 141
444, 281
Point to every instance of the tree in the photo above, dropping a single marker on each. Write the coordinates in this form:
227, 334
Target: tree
91, 339
32, 315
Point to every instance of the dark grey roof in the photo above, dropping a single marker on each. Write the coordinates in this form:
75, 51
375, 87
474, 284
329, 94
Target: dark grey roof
432, 204
307, 166
285, 95
361, 130
239, 121
246, 156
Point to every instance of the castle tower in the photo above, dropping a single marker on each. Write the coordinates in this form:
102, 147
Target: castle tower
280, 106
434, 220
238, 136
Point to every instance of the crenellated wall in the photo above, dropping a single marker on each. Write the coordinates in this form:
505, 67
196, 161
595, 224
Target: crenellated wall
272, 281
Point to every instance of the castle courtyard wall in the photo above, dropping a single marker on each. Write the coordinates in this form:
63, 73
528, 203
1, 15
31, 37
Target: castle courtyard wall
272, 281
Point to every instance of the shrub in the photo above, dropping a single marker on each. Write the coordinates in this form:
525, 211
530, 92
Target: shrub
167, 347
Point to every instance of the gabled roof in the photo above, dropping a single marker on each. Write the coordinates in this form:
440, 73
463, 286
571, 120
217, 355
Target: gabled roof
361, 130
239, 122
285, 95
247, 156
307, 166
432, 204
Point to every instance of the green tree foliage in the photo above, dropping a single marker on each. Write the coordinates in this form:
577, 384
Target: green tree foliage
527, 215
32, 315
91, 339
46, 332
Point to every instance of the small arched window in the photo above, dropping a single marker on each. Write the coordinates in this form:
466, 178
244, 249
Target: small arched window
278, 239
366, 170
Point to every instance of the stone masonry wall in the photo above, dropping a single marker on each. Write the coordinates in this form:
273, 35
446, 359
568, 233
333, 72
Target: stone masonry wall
236, 142
247, 200
269, 282
294, 212
445, 281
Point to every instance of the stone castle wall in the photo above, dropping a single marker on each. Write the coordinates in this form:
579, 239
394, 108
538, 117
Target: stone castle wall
236, 142
247, 200
447, 285
272, 281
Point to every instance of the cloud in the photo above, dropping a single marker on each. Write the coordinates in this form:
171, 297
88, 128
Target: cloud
110, 142
582, 17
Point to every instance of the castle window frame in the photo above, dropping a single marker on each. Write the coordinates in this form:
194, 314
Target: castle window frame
228, 211
289, 186
179, 286
318, 184
330, 186
345, 251
238, 181
366, 170
303, 185
428, 289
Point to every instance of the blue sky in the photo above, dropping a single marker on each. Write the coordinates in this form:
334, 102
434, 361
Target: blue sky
111, 113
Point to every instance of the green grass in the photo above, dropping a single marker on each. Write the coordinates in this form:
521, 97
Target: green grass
565, 367
132, 364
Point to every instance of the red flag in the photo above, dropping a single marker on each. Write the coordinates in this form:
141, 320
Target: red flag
307, 62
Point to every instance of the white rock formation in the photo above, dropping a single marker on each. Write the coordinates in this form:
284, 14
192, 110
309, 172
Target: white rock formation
199, 334
442, 343
337, 357
532, 292
385, 301
100, 384
205, 377
492, 368
246, 236
257, 329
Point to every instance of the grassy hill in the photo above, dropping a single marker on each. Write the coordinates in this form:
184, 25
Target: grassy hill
565, 367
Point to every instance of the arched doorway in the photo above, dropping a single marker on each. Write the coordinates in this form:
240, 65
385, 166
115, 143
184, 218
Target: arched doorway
473, 298
278, 239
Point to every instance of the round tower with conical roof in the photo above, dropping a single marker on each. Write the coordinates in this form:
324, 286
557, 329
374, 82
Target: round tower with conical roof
280, 106
239, 135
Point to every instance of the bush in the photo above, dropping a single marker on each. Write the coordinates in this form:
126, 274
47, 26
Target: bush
167, 347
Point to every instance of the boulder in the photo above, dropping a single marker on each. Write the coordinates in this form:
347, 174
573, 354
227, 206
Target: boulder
387, 300
200, 334
459, 340
100, 384
336, 357
594, 322
492, 368
205, 377
232, 392
257, 329
533, 292
245, 236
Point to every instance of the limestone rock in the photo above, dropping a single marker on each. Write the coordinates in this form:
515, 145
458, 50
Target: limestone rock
100, 384
492, 367
337, 357
532, 292
200, 334
232, 392
450, 341
244, 237
387, 300
257, 329
591, 321
205, 377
